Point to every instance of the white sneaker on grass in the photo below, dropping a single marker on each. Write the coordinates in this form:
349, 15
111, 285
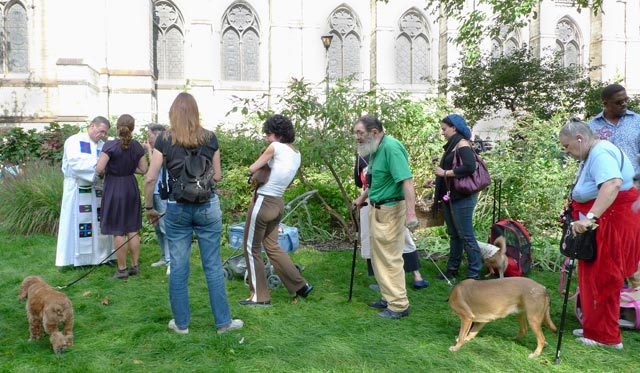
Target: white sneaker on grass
234, 325
578, 332
168, 269
159, 263
172, 325
591, 342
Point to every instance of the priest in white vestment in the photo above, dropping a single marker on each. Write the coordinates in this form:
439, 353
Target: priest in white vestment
79, 240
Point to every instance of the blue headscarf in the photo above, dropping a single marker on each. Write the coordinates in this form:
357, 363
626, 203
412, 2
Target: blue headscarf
460, 124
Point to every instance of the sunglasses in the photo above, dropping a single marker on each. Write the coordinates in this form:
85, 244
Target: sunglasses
621, 101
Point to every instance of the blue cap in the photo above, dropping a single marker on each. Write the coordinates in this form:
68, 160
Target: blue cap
460, 124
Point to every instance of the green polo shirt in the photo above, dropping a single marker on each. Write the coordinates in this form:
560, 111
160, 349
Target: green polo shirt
388, 166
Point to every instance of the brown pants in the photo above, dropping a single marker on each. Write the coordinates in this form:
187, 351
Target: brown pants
261, 228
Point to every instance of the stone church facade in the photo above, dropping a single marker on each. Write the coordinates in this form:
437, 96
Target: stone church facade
70, 60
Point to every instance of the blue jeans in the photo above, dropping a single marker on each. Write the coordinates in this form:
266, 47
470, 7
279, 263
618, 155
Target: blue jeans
206, 221
160, 205
461, 236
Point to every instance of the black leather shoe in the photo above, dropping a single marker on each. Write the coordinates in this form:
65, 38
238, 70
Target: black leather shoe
248, 302
388, 314
305, 290
380, 304
476, 277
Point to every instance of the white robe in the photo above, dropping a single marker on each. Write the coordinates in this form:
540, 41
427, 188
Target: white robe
79, 239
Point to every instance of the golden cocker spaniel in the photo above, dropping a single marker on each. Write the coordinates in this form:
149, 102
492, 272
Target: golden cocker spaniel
50, 308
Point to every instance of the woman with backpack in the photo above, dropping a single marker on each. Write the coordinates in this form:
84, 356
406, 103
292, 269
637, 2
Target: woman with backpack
265, 212
193, 163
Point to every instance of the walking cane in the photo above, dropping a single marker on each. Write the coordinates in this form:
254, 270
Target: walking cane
355, 249
570, 264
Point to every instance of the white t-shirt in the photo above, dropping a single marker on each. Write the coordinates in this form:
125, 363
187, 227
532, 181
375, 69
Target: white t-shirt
284, 165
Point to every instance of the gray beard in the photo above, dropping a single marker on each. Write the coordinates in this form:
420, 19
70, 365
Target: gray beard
368, 147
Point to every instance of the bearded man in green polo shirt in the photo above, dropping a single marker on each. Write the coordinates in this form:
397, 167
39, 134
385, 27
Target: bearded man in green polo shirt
392, 195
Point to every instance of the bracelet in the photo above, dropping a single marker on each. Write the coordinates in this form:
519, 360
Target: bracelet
148, 208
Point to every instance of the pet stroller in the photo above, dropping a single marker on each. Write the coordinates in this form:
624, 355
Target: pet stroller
287, 239
516, 236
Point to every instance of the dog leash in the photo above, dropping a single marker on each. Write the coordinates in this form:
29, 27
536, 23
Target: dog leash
442, 273
105, 259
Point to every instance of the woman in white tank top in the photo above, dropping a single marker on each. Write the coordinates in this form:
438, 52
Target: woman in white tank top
265, 212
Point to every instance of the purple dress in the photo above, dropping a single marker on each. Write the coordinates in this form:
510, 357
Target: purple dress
121, 208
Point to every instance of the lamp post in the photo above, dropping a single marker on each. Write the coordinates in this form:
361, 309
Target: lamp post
326, 41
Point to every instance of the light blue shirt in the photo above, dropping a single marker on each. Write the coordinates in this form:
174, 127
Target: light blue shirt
604, 162
625, 135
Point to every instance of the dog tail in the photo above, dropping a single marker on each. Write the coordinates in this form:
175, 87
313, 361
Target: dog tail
547, 315
501, 242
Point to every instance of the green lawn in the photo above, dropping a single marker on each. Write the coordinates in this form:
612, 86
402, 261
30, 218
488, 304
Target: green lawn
321, 333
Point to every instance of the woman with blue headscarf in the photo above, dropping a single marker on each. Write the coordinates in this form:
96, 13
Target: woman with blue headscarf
458, 207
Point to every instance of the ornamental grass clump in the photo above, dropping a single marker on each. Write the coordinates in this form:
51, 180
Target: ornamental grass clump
31, 199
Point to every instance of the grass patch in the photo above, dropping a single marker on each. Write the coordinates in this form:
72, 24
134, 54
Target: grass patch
321, 333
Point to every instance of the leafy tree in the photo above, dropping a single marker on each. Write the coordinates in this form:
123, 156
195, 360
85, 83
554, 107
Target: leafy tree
519, 82
489, 17
324, 132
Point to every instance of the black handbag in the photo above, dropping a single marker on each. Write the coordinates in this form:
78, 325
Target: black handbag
577, 246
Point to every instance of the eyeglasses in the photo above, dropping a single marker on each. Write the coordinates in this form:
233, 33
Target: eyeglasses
621, 101
359, 133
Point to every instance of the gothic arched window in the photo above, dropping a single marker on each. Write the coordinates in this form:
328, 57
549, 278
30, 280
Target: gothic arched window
240, 43
505, 43
14, 39
413, 49
344, 52
568, 43
168, 41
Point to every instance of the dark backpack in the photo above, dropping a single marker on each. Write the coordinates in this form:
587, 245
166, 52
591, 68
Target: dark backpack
195, 183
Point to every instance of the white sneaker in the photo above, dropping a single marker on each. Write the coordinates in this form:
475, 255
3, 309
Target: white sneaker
235, 324
168, 269
591, 342
159, 263
172, 325
578, 332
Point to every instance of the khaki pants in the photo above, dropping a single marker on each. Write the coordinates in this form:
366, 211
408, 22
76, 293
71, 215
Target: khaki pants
386, 233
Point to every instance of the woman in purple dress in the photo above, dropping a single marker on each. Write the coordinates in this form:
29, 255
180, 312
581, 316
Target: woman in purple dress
121, 210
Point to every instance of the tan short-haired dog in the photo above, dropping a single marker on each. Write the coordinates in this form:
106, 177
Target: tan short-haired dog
479, 302
495, 256
47, 307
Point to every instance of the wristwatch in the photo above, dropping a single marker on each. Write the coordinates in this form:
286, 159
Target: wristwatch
591, 216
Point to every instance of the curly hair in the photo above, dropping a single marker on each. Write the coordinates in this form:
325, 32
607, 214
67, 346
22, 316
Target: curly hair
281, 127
125, 126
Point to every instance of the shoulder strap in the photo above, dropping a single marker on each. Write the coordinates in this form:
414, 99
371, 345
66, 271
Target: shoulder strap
622, 162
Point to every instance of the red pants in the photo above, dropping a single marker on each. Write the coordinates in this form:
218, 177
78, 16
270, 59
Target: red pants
600, 280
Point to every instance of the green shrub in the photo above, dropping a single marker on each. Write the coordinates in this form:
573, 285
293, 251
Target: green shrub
18, 146
31, 199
